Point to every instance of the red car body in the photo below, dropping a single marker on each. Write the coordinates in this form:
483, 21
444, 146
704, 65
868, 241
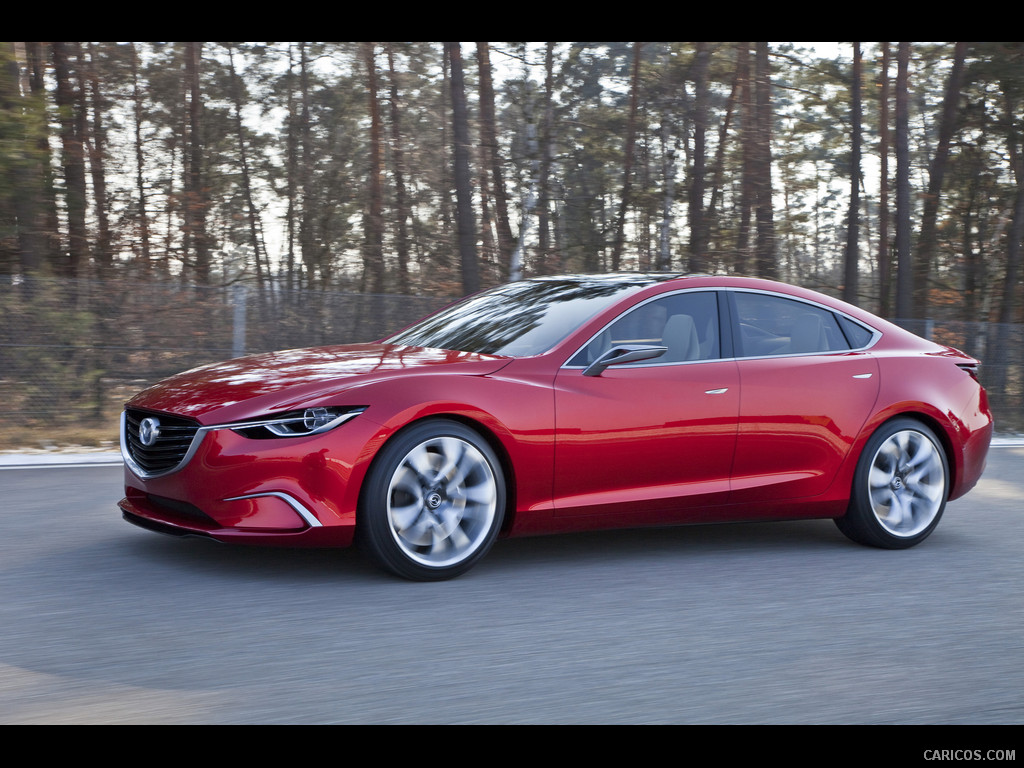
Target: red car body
741, 432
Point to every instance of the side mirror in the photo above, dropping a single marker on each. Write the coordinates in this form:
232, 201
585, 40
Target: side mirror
629, 353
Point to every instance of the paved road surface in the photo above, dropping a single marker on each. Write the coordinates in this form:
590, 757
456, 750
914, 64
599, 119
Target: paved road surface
769, 623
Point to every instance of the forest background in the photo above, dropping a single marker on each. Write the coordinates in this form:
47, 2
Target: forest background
164, 204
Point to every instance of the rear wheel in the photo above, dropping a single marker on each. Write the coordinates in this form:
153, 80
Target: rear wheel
900, 487
433, 501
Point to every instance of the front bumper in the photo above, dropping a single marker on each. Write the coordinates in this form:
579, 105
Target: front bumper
301, 491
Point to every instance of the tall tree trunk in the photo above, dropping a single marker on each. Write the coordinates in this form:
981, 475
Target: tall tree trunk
904, 266
926, 241
698, 261
884, 246
466, 228
69, 104
668, 173
402, 213
90, 83
21, 193
627, 170
140, 174
853, 216
292, 277
971, 238
373, 252
744, 249
47, 217
718, 169
243, 158
529, 204
307, 233
765, 252
549, 259
196, 201
492, 156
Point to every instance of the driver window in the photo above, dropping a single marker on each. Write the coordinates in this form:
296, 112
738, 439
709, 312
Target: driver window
685, 323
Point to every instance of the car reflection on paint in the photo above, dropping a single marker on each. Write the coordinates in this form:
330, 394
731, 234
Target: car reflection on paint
560, 404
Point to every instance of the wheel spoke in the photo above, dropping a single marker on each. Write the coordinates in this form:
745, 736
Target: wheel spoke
880, 477
924, 452
421, 532
403, 517
421, 462
480, 494
459, 540
899, 511
452, 451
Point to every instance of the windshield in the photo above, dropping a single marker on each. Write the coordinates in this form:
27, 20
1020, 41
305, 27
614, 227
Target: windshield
520, 319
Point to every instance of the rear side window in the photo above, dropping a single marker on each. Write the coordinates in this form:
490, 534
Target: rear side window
774, 325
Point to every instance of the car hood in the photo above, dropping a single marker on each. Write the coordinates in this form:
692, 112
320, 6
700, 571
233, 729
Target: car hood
248, 386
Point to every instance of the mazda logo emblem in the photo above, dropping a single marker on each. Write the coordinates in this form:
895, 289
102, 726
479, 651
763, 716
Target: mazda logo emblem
149, 431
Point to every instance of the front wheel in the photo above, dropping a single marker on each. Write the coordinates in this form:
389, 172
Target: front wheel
433, 502
900, 487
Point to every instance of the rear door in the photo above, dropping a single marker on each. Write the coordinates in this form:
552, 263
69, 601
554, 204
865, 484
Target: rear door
806, 392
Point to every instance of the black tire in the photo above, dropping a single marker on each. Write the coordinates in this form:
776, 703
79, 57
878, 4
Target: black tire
433, 501
900, 487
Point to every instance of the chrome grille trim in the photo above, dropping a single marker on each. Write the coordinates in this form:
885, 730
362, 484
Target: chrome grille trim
175, 445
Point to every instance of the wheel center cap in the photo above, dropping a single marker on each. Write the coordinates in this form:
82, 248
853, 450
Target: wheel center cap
897, 483
434, 500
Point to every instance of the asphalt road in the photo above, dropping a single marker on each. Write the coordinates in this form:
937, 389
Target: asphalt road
769, 623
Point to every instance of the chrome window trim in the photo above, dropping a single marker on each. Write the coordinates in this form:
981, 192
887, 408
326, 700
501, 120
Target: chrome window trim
875, 333
655, 363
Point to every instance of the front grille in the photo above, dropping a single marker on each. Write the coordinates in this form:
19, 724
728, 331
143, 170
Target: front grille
173, 439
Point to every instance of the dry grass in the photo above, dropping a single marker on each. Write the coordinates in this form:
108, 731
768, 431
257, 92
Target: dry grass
46, 438
42, 435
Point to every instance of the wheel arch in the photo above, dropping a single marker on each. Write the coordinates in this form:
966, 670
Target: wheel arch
938, 427
483, 431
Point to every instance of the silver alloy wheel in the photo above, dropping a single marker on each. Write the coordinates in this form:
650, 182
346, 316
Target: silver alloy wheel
907, 483
442, 501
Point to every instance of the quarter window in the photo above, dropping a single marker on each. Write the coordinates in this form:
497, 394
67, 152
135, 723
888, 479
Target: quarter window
856, 334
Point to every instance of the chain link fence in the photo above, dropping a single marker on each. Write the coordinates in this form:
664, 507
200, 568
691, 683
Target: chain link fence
72, 351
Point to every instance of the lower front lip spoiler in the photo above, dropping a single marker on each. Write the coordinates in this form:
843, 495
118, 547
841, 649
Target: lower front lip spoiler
153, 525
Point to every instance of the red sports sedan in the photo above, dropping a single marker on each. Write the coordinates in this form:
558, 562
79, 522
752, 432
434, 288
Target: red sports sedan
566, 403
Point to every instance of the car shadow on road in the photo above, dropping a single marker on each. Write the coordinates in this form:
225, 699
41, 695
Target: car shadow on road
638, 545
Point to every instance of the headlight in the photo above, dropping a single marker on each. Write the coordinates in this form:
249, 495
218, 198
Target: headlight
299, 423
